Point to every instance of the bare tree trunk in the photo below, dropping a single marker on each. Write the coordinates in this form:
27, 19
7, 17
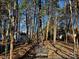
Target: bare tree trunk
33, 22
13, 25
27, 28
74, 48
11, 45
47, 30
65, 22
76, 15
16, 17
55, 29
4, 18
39, 24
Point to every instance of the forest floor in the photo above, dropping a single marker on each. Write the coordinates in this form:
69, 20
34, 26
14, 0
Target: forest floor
47, 50
60, 50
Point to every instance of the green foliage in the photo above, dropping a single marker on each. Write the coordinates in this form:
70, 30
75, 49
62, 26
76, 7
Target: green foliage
23, 5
